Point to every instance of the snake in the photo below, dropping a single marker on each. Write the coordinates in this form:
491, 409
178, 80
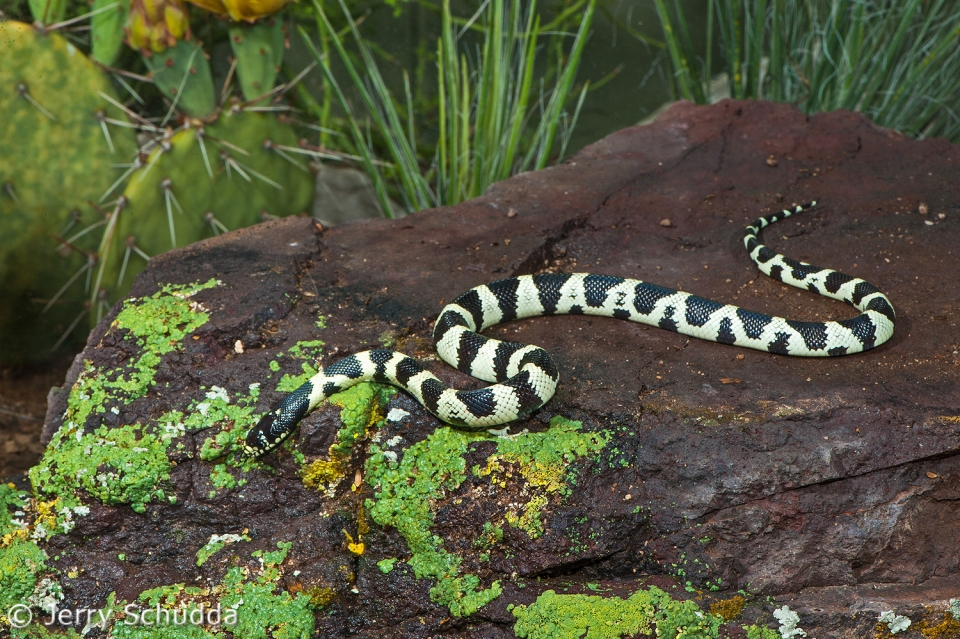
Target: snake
525, 377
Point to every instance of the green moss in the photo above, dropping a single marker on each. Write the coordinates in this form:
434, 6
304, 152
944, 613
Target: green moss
544, 461
180, 631
220, 477
761, 632
20, 563
39, 631
407, 492
259, 608
216, 544
12, 501
117, 466
491, 536
274, 558
307, 350
157, 325
362, 411
404, 500
234, 420
386, 566
363, 407
176, 596
647, 612
263, 612
126, 464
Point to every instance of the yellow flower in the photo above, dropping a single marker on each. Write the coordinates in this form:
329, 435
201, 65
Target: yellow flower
249, 10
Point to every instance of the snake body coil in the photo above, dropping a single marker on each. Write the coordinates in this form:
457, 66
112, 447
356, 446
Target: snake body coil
525, 377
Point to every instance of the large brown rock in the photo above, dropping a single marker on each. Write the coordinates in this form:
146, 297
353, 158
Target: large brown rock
832, 485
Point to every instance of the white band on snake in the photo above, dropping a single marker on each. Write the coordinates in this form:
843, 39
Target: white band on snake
525, 377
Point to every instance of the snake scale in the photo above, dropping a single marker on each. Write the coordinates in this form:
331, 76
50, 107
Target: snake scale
525, 376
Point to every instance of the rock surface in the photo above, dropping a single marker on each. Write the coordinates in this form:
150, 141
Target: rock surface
831, 485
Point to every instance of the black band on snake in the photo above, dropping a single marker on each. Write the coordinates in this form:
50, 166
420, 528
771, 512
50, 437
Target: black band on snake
525, 377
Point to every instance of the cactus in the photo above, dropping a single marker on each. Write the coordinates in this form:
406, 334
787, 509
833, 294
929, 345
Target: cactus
259, 51
106, 30
182, 73
48, 11
56, 155
205, 179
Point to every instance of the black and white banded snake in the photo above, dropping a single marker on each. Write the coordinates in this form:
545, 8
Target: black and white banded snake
525, 376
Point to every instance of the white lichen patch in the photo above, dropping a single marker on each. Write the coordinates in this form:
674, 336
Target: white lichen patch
789, 621
46, 595
217, 543
397, 414
215, 394
894, 622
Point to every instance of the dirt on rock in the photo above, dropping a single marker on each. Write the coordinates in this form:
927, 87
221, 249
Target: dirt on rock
831, 485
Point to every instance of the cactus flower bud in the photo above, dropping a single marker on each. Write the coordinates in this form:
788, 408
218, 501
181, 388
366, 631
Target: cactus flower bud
154, 25
247, 10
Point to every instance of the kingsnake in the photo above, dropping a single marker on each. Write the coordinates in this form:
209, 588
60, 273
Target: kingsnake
526, 377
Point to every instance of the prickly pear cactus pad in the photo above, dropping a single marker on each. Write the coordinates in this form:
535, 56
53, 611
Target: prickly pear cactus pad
259, 51
57, 153
202, 181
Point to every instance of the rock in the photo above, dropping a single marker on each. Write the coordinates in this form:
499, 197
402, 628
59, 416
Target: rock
344, 194
667, 472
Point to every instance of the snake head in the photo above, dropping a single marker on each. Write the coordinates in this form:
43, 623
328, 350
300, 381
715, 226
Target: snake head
278, 424
260, 440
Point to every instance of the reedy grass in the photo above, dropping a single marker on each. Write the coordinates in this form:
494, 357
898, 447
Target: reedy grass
896, 61
493, 118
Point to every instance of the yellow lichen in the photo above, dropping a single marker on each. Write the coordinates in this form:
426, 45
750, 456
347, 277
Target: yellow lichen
363, 409
323, 472
320, 597
729, 609
356, 547
948, 628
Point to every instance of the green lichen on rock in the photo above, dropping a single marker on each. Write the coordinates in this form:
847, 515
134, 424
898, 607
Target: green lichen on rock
306, 350
405, 496
761, 632
386, 565
362, 411
21, 562
38, 631
407, 491
218, 543
233, 419
156, 325
251, 605
650, 612
128, 464
544, 462
122, 465
54, 158
12, 501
